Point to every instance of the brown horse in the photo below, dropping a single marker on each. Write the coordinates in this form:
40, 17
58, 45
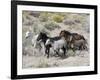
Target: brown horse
75, 41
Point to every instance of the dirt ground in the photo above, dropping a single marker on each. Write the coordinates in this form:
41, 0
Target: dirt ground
38, 60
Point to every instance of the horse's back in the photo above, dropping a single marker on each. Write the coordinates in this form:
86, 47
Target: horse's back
56, 38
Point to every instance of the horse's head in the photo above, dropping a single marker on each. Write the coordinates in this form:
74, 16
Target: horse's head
41, 36
64, 33
27, 34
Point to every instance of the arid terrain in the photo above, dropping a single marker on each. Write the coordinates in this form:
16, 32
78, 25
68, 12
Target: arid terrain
52, 23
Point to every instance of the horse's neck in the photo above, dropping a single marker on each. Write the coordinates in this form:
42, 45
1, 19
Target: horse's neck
44, 40
63, 38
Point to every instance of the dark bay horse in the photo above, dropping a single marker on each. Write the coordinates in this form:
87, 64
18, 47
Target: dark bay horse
75, 41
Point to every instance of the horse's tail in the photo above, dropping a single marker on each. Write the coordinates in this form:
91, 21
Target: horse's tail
85, 40
86, 45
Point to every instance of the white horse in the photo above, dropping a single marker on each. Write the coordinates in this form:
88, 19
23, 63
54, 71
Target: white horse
38, 46
27, 34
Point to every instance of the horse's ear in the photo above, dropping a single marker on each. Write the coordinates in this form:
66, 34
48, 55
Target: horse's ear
61, 32
40, 33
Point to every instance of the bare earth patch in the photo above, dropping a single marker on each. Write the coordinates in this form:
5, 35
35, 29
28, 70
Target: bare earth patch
43, 62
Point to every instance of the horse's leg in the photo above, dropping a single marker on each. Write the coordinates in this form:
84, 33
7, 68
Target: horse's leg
80, 48
64, 52
56, 52
73, 51
86, 48
79, 52
72, 46
40, 48
47, 52
43, 49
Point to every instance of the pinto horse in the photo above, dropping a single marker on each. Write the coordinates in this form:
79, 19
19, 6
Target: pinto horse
56, 43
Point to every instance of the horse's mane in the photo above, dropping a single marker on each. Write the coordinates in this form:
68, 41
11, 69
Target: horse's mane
66, 32
44, 34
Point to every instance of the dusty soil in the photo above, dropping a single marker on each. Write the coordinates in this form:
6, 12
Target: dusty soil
38, 60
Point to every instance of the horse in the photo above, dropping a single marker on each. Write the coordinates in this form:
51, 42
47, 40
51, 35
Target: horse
54, 42
37, 46
71, 36
57, 45
75, 41
27, 34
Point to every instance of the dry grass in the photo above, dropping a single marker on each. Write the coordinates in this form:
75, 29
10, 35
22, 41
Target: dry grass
52, 23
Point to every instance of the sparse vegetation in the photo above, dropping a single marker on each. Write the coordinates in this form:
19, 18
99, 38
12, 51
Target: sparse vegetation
58, 18
52, 23
35, 14
68, 22
43, 17
51, 26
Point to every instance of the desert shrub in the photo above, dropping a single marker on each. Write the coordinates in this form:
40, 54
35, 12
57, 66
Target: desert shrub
43, 63
28, 23
68, 22
51, 26
35, 14
45, 31
77, 21
86, 24
58, 18
27, 51
27, 20
80, 18
43, 17
70, 53
37, 27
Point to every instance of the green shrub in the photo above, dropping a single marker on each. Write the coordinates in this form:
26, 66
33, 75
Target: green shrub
45, 31
58, 18
43, 17
35, 13
43, 63
51, 26
37, 27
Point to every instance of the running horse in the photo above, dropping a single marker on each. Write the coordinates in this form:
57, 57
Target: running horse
75, 41
57, 43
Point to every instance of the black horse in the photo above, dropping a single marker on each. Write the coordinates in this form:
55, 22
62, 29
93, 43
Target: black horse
43, 38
